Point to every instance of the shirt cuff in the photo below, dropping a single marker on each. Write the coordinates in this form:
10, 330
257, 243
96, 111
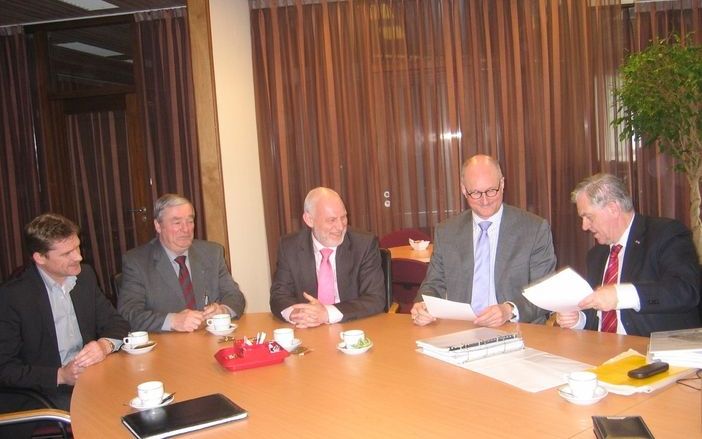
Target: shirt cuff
286, 313
628, 297
335, 315
167, 322
581, 321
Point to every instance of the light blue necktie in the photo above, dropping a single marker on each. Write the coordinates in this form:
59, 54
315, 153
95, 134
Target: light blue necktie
480, 298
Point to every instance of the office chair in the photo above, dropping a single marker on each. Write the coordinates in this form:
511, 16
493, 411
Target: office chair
47, 430
402, 236
407, 276
386, 263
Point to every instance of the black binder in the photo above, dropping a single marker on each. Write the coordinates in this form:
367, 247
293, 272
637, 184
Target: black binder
612, 427
183, 417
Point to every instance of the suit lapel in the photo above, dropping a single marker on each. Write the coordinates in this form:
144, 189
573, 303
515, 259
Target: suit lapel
344, 266
165, 269
634, 253
505, 244
308, 266
40, 297
464, 245
198, 274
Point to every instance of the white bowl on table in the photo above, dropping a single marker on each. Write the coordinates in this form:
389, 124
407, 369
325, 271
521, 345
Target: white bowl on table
419, 245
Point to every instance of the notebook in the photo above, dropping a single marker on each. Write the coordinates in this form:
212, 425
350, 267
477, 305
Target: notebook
183, 417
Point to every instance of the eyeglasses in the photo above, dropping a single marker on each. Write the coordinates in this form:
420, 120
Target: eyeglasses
490, 193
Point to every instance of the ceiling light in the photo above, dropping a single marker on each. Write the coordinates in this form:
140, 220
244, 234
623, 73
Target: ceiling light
87, 48
90, 5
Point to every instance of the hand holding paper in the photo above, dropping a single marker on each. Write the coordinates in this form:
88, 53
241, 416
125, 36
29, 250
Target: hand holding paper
447, 309
559, 292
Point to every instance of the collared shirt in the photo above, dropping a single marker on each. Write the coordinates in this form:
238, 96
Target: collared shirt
335, 315
627, 296
493, 233
68, 336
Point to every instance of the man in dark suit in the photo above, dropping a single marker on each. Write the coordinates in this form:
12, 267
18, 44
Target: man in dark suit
54, 320
326, 273
516, 248
644, 270
175, 282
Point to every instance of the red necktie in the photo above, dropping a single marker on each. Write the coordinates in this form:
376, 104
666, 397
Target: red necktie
609, 318
185, 282
325, 279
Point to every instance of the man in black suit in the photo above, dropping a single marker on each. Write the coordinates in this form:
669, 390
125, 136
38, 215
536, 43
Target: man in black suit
355, 277
654, 280
54, 320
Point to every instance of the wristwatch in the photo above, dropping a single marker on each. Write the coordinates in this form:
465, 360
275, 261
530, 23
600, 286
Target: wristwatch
112, 345
513, 315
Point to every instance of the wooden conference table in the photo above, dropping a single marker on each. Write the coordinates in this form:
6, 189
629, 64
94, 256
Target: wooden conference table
390, 391
407, 252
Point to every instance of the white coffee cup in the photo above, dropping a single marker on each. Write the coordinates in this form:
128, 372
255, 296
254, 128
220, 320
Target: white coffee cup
220, 321
582, 384
136, 338
352, 336
150, 392
284, 336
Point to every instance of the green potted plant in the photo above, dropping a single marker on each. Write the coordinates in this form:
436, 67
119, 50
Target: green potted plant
660, 102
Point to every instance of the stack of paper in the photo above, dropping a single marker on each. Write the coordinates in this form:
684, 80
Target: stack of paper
679, 348
469, 345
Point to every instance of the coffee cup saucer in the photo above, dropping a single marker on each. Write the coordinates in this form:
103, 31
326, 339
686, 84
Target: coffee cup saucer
221, 332
354, 351
291, 347
139, 349
565, 392
136, 403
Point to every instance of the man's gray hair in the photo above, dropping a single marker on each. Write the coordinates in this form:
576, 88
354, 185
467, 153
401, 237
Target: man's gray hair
314, 195
602, 188
166, 201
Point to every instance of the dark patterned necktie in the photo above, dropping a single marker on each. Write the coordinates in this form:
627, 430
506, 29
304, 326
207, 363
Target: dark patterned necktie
185, 283
609, 318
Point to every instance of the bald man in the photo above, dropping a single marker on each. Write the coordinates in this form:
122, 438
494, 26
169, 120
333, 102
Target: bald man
325, 272
486, 255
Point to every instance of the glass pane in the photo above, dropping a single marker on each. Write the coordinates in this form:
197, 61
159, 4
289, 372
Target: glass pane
90, 58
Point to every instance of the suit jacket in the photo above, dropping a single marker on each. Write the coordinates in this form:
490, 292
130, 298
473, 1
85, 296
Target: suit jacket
359, 275
150, 289
524, 255
29, 355
661, 261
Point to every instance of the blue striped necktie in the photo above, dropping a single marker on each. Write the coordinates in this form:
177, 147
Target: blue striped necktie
480, 298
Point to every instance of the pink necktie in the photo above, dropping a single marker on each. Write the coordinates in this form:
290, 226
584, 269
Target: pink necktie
325, 279
609, 318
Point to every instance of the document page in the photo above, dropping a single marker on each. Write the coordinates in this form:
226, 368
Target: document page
559, 292
447, 309
528, 369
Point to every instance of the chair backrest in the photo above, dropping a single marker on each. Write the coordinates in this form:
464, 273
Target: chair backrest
386, 263
402, 236
407, 276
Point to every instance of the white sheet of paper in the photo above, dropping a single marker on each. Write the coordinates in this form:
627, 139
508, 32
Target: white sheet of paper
448, 309
559, 292
528, 369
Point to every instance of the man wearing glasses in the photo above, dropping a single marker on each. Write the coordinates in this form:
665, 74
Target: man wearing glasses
486, 255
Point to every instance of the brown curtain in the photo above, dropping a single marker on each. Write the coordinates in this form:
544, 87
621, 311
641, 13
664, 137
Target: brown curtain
100, 163
19, 181
169, 106
383, 100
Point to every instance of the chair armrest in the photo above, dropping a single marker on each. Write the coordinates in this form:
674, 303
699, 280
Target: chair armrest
36, 415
